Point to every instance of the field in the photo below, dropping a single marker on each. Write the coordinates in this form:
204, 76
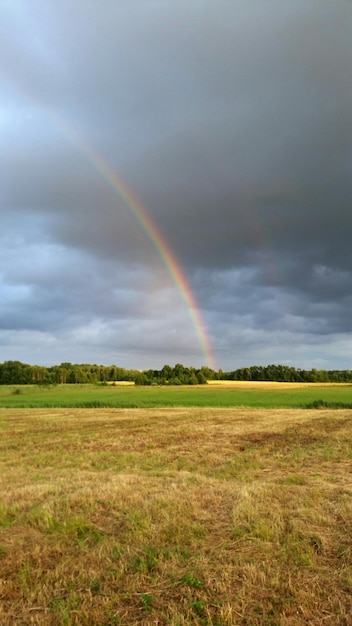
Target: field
226, 394
190, 515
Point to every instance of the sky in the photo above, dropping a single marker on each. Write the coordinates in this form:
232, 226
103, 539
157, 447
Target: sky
176, 182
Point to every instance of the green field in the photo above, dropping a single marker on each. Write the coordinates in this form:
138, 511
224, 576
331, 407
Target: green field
269, 395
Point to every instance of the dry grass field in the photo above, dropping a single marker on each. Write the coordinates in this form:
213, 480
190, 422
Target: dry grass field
201, 516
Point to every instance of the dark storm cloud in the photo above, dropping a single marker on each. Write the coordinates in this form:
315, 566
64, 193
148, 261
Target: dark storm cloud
232, 123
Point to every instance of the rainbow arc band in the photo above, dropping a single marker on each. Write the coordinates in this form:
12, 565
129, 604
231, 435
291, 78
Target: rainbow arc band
147, 224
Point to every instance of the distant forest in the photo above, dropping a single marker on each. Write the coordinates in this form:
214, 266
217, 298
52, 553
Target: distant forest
17, 373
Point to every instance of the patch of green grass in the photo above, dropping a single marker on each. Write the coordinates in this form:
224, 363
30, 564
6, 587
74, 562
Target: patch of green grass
95, 586
198, 607
64, 607
113, 618
117, 553
147, 601
42, 518
146, 561
192, 581
85, 534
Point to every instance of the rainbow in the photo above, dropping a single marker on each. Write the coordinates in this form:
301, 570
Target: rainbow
149, 227
139, 211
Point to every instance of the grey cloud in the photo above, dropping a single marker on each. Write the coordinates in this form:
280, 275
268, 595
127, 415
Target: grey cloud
231, 122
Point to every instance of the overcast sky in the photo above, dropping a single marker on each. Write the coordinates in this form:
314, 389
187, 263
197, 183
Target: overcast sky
231, 122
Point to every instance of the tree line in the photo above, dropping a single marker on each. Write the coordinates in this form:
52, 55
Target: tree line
285, 373
17, 373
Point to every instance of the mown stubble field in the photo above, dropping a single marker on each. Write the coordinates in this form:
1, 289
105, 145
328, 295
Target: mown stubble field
204, 516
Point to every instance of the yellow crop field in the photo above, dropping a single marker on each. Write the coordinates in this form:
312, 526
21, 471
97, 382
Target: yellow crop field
179, 516
269, 384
